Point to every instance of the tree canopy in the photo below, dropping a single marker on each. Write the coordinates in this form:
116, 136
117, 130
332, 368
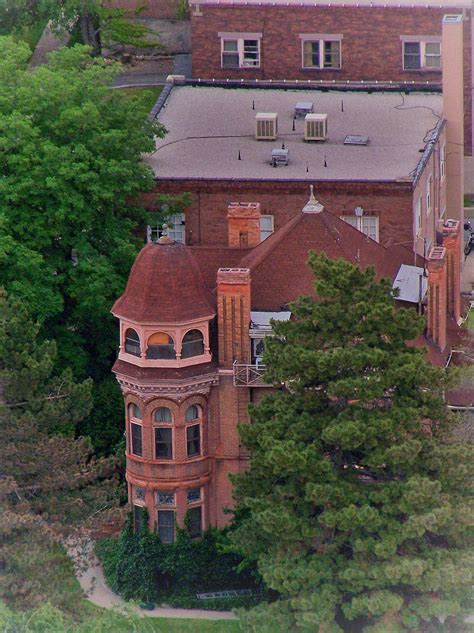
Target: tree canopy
98, 23
71, 171
358, 502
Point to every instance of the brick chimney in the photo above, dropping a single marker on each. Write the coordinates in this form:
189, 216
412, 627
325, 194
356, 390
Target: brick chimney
243, 219
453, 112
233, 315
437, 300
452, 244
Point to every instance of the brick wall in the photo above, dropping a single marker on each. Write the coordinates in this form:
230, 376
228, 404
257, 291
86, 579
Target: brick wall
206, 220
371, 46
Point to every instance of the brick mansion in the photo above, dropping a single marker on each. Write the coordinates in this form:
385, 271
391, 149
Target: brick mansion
274, 173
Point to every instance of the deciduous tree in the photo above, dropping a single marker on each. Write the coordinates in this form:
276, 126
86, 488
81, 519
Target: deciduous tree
358, 501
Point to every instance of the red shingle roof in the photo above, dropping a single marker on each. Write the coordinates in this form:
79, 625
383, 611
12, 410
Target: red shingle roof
278, 266
165, 285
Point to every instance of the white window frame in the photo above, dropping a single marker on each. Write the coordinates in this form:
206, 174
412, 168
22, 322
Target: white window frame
176, 227
321, 39
422, 40
418, 209
442, 161
266, 232
429, 198
240, 39
361, 224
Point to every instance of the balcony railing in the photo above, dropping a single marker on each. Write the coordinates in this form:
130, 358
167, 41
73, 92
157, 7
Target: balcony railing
246, 375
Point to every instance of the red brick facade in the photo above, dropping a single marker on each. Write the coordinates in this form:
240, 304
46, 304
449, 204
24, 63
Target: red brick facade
206, 219
212, 387
371, 48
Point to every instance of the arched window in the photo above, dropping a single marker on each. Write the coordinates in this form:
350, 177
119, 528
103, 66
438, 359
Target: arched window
193, 344
160, 345
192, 413
132, 342
134, 411
163, 414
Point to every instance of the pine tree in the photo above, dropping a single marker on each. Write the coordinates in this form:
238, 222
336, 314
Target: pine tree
356, 488
50, 483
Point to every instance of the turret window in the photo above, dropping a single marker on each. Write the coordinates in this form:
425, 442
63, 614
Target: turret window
164, 443
163, 414
165, 525
132, 342
136, 434
193, 440
161, 346
193, 344
195, 522
192, 413
134, 411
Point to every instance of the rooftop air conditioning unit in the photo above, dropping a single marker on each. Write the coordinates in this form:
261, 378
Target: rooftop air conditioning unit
266, 126
315, 127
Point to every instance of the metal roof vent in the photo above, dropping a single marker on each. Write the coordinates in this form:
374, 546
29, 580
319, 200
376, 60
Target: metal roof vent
266, 126
356, 139
315, 127
279, 157
452, 18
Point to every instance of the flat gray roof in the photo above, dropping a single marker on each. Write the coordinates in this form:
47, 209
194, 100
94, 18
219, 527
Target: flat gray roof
208, 127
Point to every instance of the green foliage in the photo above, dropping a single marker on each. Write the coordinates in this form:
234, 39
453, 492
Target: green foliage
182, 10
50, 482
98, 23
141, 567
69, 180
49, 576
105, 423
48, 619
359, 495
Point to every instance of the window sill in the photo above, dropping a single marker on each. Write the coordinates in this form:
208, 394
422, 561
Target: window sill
315, 68
240, 67
422, 70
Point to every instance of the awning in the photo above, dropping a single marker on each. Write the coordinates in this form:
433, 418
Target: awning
408, 283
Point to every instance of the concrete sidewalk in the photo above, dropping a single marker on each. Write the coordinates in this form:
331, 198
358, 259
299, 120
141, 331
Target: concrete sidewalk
93, 583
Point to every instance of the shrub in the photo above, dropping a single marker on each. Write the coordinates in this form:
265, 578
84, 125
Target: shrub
141, 567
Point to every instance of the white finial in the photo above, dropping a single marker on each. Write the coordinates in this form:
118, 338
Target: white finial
312, 206
165, 238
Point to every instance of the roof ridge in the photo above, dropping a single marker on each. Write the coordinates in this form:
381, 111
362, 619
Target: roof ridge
260, 252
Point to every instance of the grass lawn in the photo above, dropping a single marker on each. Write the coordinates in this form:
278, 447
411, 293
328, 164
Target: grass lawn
147, 96
51, 580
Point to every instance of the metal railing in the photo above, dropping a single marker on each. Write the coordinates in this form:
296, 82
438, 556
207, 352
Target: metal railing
246, 375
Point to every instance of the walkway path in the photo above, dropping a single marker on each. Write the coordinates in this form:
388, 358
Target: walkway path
93, 583
47, 43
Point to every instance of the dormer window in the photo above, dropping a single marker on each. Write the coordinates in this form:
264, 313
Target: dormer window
193, 344
132, 342
161, 346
